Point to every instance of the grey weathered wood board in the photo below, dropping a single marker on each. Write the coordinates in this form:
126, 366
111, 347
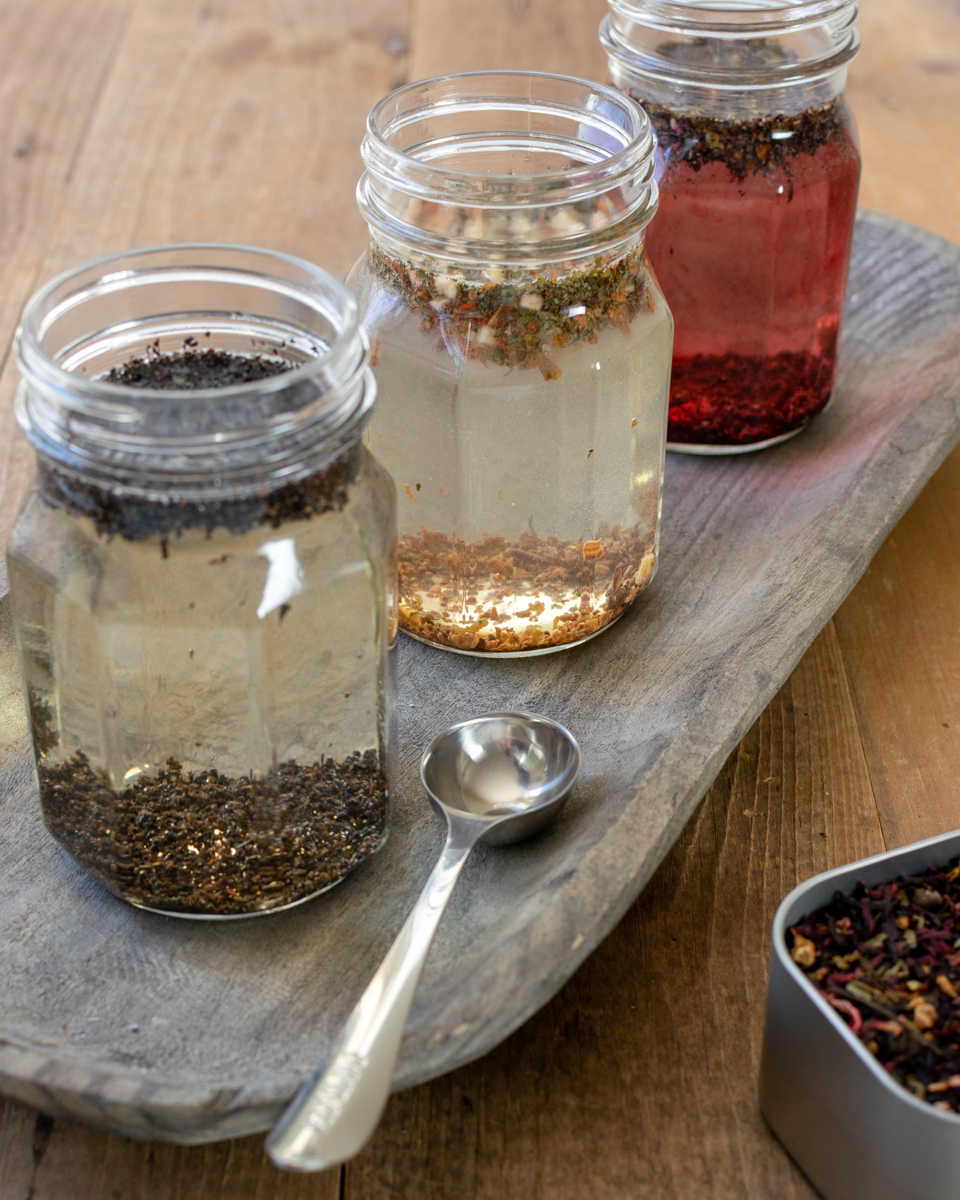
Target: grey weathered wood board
190, 1032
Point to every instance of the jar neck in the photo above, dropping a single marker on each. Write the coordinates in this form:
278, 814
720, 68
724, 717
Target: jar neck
482, 269
511, 172
733, 61
218, 443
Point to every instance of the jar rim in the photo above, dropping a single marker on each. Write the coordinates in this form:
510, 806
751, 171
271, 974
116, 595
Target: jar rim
38, 313
239, 436
567, 116
734, 17
379, 155
821, 35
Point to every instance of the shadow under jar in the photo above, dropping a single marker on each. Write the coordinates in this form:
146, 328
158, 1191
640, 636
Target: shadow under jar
758, 171
203, 578
522, 353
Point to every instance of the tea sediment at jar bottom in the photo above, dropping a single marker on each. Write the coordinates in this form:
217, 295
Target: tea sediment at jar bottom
207, 677
522, 352
529, 520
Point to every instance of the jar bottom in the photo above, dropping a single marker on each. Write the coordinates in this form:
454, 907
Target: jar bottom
531, 653
242, 916
206, 845
709, 450
258, 912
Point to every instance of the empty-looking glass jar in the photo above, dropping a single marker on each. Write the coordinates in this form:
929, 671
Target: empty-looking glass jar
522, 353
758, 191
202, 578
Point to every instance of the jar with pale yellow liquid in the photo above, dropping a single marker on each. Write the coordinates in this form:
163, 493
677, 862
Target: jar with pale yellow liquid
522, 352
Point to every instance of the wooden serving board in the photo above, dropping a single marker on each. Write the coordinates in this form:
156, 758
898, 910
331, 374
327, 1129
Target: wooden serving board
190, 1032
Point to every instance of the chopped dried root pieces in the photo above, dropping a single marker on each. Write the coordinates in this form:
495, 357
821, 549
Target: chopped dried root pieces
501, 597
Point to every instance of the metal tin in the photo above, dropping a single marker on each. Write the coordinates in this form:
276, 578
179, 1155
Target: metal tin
853, 1129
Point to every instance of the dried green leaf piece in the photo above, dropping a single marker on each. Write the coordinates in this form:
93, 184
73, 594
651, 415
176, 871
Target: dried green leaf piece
520, 323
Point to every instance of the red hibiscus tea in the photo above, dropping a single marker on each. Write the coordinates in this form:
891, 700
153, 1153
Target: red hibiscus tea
759, 169
752, 246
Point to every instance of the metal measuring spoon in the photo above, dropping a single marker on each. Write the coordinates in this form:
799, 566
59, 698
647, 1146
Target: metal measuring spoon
496, 778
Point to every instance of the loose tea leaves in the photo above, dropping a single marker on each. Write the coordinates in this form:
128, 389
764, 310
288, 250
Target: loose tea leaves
755, 348
745, 147
138, 517
496, 596
520, 323
887, 958
192, 369
736, 399
207, 844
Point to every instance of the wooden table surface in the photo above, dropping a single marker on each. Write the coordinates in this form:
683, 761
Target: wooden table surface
130, 122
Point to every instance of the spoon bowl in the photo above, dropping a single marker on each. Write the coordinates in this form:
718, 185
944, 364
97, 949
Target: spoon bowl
500, 765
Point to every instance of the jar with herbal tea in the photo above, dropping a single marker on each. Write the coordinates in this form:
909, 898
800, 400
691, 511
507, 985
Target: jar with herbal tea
758, 177
203, 578
522, 353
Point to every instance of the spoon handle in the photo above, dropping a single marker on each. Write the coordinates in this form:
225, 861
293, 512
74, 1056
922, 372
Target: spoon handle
336, 1111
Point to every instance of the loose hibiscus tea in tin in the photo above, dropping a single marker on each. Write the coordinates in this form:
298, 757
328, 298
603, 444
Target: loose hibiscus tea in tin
522, 350
887, 959
202, 580
759, 169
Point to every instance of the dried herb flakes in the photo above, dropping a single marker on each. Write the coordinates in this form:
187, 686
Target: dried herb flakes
519, 324
736, 399
192, 369
745, 147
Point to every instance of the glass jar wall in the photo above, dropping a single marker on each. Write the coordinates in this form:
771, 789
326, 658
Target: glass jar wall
202, 578
522, 353
758, 173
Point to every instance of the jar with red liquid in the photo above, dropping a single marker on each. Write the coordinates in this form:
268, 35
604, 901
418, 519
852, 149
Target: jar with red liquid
758, 175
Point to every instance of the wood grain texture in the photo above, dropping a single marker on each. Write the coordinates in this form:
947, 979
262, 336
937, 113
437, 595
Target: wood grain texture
902, 88
236, 121
653, 702
906, 611
143, 1025
54, 62
530, 35
638, 1079
45, 1160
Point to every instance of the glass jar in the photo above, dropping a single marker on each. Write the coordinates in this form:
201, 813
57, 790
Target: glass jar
522, 353
202, 578
758, 173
